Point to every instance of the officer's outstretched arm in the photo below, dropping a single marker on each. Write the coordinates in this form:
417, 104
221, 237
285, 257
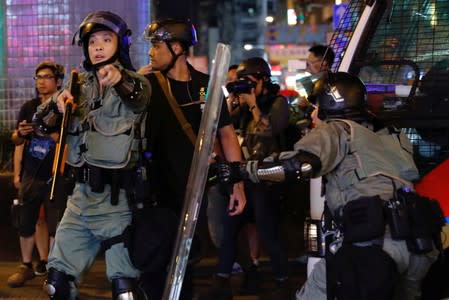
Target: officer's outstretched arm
291, 167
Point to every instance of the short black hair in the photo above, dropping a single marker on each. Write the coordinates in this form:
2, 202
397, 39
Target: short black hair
324, 52
57, 69
233, 67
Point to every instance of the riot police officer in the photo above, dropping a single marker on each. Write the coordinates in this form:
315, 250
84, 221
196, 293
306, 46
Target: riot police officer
100, 143
365, 165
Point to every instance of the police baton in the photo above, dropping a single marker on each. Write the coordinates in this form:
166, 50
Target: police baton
61, 147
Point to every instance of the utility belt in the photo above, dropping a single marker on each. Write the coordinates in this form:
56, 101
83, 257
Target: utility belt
416, 219
410, 217
97, 178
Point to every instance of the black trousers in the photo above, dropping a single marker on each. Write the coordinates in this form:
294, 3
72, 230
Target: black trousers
264, 206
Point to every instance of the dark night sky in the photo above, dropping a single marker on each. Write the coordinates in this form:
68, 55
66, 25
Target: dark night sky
174, 8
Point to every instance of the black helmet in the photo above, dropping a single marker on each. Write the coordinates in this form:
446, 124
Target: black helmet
256, 66
170, 30
340, 95
105, 20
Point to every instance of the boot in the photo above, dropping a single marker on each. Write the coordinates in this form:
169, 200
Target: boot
220, 290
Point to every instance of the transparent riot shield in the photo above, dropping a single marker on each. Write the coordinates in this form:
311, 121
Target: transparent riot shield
198, 173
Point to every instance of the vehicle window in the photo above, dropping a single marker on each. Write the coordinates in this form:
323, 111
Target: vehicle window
403, 59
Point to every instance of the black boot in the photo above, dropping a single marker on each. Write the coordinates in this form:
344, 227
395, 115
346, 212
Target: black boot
250, 284
220, 290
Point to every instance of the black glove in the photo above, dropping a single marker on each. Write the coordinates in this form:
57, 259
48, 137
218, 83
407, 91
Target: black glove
292, 169
295, 168
229, 172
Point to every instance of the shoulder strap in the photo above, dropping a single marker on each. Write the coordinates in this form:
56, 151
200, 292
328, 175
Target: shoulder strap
185, 125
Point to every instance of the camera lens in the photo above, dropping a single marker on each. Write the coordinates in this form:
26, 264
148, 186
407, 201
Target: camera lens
241, 86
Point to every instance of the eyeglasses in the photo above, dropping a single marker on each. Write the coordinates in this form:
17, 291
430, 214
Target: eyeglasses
43, 77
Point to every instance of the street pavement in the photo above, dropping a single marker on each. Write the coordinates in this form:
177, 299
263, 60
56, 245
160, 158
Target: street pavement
95, 285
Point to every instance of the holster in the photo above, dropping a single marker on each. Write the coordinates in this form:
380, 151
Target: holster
416, 219
363, 220
97, 177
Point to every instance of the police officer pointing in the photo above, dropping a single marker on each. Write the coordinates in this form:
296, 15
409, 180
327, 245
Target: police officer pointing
100, 151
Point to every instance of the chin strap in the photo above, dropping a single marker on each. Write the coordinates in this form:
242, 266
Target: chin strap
109, 61
174, 58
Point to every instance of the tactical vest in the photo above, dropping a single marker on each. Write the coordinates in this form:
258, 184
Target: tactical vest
107, 134
386, 154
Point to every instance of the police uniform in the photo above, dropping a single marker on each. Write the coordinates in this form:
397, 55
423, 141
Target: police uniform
358, 162
99, 137
363, 164
103, 149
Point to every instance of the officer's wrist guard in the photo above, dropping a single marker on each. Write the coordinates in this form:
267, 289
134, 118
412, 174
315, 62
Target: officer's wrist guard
128, 88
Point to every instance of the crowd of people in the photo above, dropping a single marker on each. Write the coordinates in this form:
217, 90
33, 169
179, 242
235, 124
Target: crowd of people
134, 127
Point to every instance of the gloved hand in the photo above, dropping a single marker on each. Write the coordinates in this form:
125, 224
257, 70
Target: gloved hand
288, 169
294, 169
232, 172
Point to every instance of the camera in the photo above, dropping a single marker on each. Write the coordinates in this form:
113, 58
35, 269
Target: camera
49, 120
241, 86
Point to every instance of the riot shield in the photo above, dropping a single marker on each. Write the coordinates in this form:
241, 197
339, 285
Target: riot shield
198, 173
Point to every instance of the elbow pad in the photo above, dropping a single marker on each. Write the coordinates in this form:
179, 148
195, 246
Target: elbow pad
311, 159
294, 168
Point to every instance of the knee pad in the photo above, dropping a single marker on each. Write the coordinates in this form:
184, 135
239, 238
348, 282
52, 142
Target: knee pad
57, 285
124, 289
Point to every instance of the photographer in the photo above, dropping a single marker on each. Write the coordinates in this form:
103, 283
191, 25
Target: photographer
33, 160
263, 117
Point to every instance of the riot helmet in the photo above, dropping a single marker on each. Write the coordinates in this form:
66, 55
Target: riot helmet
105, 20
172, 30
340, 95
255, 66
